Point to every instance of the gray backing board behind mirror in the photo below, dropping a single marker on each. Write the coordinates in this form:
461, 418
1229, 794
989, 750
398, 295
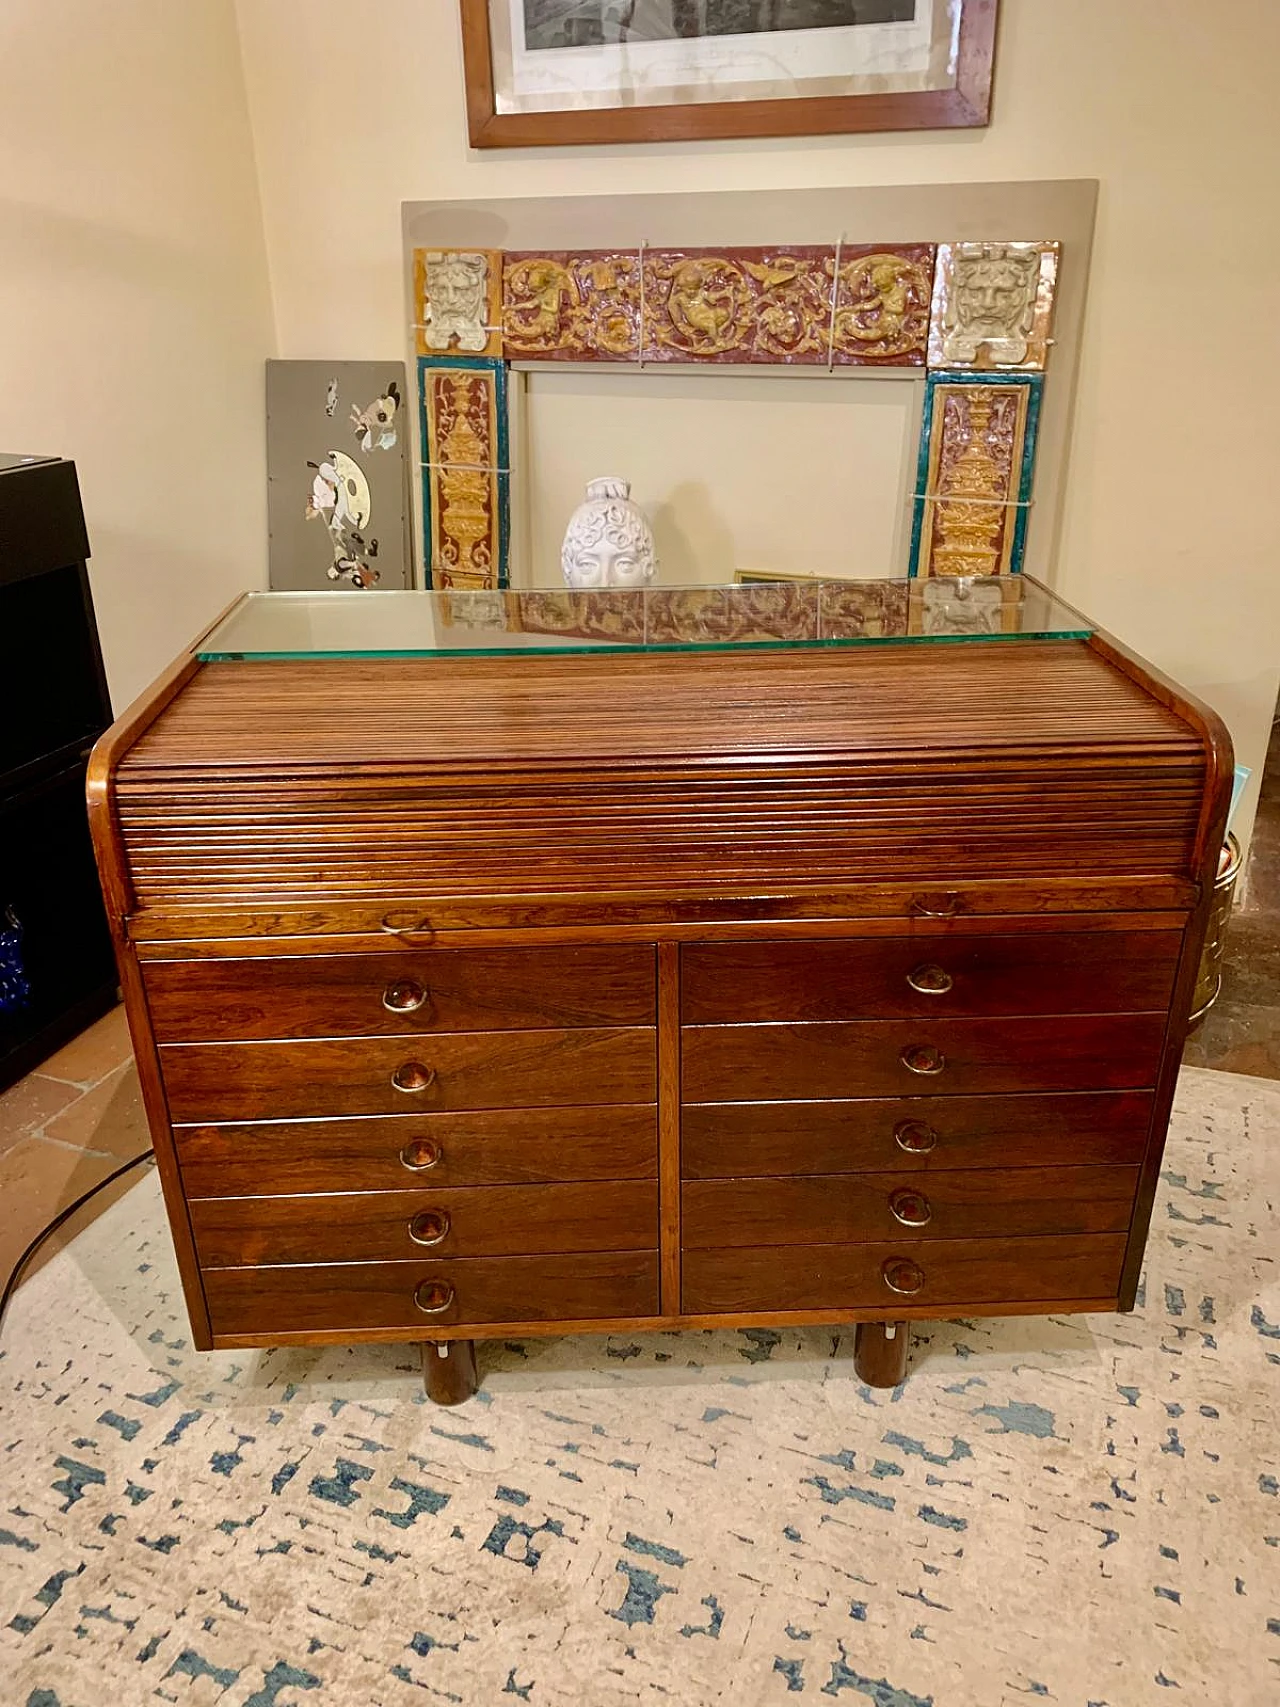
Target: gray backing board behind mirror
337, 475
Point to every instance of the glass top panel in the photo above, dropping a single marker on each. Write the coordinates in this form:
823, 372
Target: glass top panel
642, 619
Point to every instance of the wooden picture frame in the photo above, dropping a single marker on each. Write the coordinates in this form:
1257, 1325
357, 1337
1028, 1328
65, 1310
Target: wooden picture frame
966, 104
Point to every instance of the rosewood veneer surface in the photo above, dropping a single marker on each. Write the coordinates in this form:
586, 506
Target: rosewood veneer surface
573, 993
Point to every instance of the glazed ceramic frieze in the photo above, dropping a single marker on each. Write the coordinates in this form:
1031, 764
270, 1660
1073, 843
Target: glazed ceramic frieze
737, 305
465, 479
457, 301
581, 305
882, 306
993, 305
976, 460
785, 305
767, 305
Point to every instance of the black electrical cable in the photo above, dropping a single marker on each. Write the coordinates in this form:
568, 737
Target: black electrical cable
60, 1220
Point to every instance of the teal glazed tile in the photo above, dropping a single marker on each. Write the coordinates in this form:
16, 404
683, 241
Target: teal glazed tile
1015, 485
466, 479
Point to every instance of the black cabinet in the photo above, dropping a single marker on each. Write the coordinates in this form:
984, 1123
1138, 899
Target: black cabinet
57, 972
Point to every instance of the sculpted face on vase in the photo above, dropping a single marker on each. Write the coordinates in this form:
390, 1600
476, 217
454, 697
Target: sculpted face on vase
608, 542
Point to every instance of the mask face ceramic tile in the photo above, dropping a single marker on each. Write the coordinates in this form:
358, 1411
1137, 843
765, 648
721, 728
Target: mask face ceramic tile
578, 306
457, 297
882, 309
993, 305
465, 478
977, 453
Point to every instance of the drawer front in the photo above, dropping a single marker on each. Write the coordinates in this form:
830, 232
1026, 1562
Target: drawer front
279, 1158
407, 992
387, 1226
344, 1297
870, 1058
952, 1274
930, 975
913, 1134
971, 1203
495, 1069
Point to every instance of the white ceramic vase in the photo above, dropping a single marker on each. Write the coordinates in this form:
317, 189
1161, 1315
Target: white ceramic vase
608, 542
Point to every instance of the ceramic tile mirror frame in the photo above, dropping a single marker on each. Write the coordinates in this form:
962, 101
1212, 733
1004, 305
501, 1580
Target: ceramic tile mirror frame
973, 318
540, 72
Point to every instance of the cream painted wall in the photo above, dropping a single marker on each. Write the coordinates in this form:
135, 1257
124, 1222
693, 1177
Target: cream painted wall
135, 312
1167, 533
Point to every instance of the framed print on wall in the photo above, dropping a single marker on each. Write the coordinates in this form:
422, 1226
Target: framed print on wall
543, 72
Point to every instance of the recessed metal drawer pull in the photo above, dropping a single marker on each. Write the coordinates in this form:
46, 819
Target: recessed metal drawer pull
430, 1227
938, 906
930, 980
911, 1207
413, 1076
419, 1154
433, 1297
901, 1275
916, 1137
403, 996
923, 1058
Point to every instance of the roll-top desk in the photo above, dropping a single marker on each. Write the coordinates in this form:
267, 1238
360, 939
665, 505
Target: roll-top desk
510, 964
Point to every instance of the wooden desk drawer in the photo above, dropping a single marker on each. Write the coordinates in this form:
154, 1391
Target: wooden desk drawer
388, 1152
913, 1134
953, 1274
386, 1226
868, 1058
967, 1203
934, 975
404, 992
486, 1069
340, 1298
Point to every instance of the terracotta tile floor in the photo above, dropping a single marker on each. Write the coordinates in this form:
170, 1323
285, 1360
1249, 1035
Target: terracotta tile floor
68, 1125
62, 1129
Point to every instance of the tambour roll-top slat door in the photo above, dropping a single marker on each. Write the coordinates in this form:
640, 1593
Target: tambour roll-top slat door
347, 780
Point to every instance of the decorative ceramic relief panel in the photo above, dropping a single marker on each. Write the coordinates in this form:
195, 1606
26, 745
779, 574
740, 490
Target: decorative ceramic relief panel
737, 305
457, 296
882, 312
581, 305
465, 473
977, 454
993, 305
768, 305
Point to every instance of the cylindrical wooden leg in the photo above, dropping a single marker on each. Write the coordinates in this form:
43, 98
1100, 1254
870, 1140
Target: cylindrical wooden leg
880, 1352
449, 1370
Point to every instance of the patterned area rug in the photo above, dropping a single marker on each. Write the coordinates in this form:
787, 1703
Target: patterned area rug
1084, 1510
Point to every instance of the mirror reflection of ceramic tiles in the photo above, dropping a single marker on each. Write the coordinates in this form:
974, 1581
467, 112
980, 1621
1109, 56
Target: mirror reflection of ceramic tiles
337, 475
